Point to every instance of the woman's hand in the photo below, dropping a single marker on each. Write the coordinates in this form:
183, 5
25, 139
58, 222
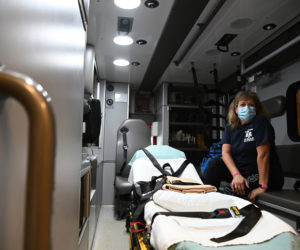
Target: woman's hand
252, 195
238, 184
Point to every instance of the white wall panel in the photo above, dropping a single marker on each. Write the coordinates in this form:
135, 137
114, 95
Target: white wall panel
115, 114
284, 79
45, 40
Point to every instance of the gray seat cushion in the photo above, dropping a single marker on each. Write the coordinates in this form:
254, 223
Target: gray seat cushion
275, 106
287, 201
122, 185
138, 136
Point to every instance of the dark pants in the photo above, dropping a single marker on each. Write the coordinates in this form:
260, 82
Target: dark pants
217, 171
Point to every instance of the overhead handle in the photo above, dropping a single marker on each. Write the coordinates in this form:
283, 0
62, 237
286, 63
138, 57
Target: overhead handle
39, 185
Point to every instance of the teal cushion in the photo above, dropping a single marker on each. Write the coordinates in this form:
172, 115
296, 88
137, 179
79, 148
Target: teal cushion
159, 152
286, 241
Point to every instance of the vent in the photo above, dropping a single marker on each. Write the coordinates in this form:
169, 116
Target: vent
225, 40
124, 25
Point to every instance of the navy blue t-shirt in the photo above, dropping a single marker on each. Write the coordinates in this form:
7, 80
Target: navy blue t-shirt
245, 139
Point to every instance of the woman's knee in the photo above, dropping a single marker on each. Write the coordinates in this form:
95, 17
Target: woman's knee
217, 171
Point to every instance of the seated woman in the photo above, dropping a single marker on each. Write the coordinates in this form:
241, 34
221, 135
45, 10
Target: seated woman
249, 158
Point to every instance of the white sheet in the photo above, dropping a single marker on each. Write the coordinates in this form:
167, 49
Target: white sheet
142, 169
167, 230
192, 201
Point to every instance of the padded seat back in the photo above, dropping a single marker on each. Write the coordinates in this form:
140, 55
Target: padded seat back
289, 156
138, 136
275, 106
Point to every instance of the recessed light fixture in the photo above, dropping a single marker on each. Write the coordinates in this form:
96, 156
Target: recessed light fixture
141, 42
151, 4
269, 26
236, 53
127, 4
135, 63
123, 40
121, 62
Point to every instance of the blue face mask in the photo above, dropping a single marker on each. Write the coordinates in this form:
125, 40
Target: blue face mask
246, 113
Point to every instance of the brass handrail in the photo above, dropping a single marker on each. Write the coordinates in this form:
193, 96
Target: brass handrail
40, 164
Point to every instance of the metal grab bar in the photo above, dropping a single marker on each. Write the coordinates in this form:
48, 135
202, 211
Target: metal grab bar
40, 157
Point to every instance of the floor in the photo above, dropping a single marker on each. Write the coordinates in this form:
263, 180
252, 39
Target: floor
110, 233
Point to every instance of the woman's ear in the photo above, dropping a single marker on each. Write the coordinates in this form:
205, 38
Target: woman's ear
236, 110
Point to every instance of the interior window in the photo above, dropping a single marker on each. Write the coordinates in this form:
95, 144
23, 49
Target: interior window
293, 111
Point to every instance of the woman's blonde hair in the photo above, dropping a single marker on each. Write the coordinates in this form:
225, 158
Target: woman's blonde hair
233, 118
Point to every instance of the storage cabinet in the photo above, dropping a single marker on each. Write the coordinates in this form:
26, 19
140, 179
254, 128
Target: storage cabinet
190, 119
90, 197
185, 124
216, 106
187, 127
188, 131
189, 123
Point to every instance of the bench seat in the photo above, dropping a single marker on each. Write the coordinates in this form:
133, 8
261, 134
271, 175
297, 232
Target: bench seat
286, 201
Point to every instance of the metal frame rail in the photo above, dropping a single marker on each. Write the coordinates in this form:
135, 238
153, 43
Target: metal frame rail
39, 186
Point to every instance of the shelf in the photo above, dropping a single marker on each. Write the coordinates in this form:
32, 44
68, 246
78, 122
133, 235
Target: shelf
213, 103
218, 116
142, 114
185, 106
187, 123
214, 91
217, 128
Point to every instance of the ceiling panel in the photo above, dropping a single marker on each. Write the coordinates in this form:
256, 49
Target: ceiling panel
148, 24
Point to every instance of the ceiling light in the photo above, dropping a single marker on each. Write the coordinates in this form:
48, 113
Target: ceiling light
121, 62
141, 42
135, 63
123, 40
151, 4
236, 53
127, 4
269, 26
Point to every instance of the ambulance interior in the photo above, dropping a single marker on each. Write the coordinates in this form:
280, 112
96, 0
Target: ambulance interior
203, 58
115, 80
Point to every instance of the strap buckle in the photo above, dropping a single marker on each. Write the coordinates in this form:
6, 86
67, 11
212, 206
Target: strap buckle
222, 213
125, 147
235, 212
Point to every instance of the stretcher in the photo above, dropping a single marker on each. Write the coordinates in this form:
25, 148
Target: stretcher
157, 229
